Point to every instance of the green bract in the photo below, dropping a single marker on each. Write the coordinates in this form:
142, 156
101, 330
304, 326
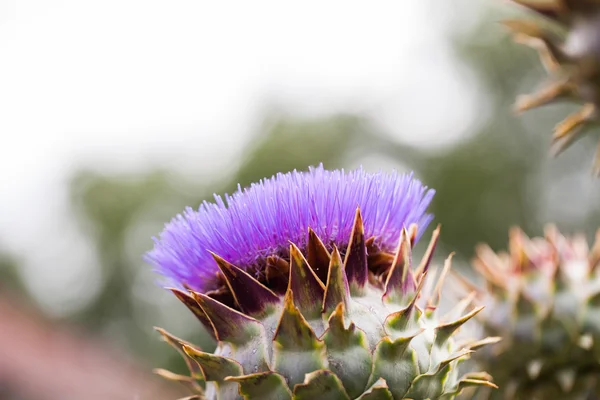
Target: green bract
357, 325
543, 299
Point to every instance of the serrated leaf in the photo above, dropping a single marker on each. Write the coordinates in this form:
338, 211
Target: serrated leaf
264, 386
348, 353
395, 362
296, 349
214, 367
428, 386
378, 391
243, 333
323, 385
405, 322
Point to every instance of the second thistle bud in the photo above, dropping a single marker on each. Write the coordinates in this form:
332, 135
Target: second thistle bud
569, 48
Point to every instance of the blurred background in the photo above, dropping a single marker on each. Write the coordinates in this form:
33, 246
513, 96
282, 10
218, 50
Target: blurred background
114, 115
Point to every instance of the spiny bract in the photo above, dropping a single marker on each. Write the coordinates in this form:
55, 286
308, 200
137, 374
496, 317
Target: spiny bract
569, 48
543, 299
313, 321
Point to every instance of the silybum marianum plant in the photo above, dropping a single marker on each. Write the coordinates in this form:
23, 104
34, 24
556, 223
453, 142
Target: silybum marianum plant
543, 299
306, 281
568, 42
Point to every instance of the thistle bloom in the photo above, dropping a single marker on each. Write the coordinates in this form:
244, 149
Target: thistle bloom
255, 223
306, 282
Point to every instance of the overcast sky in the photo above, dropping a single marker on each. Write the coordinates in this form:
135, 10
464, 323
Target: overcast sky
121, 84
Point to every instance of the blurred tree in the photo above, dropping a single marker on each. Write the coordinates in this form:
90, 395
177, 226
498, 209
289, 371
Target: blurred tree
107, 207
10, 279
290, 143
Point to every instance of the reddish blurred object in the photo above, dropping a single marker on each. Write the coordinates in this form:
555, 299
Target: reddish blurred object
43, 361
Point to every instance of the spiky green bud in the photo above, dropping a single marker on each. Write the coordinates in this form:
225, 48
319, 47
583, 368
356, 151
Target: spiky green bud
542, 298
338, 313
363, 329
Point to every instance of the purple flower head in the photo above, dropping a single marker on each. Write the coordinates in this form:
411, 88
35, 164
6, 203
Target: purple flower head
261, 220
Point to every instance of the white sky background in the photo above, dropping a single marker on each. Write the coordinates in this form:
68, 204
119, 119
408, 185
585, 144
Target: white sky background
124, 84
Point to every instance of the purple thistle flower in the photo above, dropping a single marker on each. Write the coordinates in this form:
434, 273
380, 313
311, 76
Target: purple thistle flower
260, 221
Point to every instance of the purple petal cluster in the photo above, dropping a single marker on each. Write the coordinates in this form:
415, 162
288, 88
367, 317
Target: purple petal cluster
261, 220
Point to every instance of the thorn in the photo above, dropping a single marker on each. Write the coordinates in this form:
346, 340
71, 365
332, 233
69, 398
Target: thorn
317, 256
455, 356
426, 260
250, 296
546, 95
178, 345
443, 332
193, 306
307, 288
459, 308
229, 325
490, 265
355, 262
404, 319
293, 331
524, 27
337, 290
516, 246
214, 367
396, 280
530, 34
484, 342
412, 234
567, 131
188, 382
574, 120
437, 290
277, 274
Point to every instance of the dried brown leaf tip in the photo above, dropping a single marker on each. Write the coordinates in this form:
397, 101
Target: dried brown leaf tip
568, 43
